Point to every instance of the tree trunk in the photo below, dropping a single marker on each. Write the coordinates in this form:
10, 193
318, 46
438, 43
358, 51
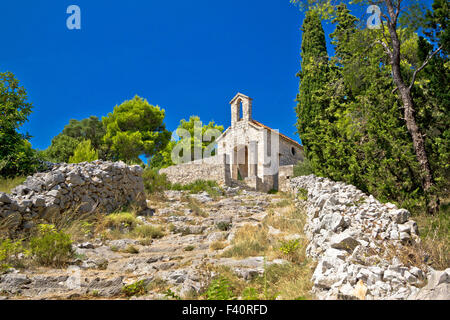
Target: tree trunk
408, 105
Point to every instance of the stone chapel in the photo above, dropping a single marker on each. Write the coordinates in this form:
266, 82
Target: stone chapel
247, 151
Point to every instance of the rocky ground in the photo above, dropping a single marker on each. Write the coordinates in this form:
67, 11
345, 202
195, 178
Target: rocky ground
179, 261
329, 241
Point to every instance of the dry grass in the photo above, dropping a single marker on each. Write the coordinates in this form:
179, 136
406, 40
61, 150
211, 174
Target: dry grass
7, 184
249, 241
217, 245
148, 232
286, 281
195, 206
435, 237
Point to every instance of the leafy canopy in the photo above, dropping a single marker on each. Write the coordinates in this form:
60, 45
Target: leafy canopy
135, 128
84, 153
16, 155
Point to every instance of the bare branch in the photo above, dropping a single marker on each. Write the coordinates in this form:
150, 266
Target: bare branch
397, 9
424, 64
386, 48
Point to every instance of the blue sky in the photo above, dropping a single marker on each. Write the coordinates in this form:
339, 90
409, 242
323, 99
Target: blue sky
188, 57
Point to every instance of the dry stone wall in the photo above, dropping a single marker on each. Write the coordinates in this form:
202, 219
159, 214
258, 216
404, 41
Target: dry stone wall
357, 242
212, 168
80, 188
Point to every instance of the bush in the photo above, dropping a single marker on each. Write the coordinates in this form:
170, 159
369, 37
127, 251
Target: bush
288, 247
135, 289
121, 220
155, 182
303, 168
219, 289
10, 254
50, 247
223, 226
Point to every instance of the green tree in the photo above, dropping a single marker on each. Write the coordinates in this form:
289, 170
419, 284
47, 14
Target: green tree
313, 76
84, 153
87, 129
61, 149
399, 62
206, 135
135, 128
16, 154
76, 131
358, 135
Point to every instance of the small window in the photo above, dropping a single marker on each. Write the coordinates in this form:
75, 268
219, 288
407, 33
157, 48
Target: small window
293, 151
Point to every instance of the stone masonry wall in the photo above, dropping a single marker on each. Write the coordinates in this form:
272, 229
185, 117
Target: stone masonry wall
213, 168
85, 187
357, 242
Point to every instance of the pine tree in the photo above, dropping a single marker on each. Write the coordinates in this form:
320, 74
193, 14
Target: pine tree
84, 152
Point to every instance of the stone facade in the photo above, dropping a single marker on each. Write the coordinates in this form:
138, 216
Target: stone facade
252, 152
99, 186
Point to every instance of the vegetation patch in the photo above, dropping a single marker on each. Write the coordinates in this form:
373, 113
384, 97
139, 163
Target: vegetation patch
217, 245
249, 241
148, 232
51, 247
7, 184
209, 186
12, 254
223, 226
137, 288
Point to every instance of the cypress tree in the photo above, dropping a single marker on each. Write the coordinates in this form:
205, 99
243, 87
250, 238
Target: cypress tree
313, 77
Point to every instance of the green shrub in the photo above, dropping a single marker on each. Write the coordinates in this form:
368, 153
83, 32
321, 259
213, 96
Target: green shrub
10, 252
223, 226
302, 194
155, 182
303, 168
121, 220
219, 289
137, 288
189, 248
50, 247
250, 294
170, 294
288, 247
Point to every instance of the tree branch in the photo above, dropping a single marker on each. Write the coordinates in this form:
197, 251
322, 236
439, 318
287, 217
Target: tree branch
424, 64
386, 48
397, 9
